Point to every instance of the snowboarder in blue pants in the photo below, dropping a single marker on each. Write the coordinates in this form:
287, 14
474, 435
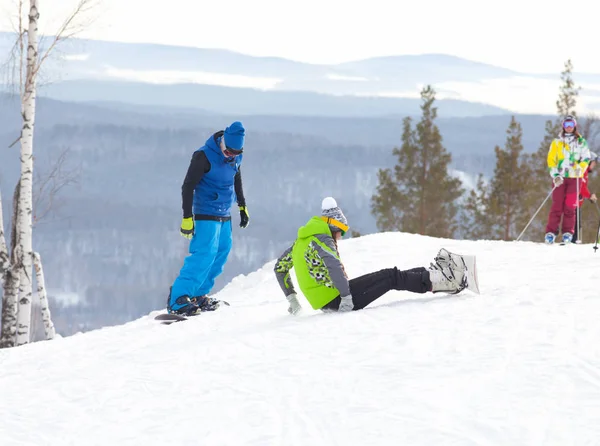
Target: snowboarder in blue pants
212, 183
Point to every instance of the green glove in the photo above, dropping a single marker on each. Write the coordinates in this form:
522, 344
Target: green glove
187, 227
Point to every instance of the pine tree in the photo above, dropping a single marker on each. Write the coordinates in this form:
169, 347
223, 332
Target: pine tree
539, 184
476, 223
567, 98
420, 196
506, 186
388, 205
492, 211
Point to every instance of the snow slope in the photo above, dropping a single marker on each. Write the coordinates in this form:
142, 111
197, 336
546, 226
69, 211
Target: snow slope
517, 365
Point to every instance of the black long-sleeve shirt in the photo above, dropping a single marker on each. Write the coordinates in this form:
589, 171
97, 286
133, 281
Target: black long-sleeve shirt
200, 165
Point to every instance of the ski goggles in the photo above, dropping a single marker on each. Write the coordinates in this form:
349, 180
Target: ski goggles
569, 124
338, 224
232, 152
228, 151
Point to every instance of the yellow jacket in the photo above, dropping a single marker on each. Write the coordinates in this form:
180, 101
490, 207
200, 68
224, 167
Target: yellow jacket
567, 152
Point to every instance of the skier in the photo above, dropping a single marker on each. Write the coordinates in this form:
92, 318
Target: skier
212, 183
585, 193
323, 280
568, 158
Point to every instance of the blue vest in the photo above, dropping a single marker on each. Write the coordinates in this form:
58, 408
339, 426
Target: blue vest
214, 195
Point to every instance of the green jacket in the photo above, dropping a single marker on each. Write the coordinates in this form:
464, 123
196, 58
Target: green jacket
317, 264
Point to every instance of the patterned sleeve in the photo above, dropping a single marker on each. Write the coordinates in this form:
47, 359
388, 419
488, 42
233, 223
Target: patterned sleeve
553, 166
329, 254
282, 271
585, 153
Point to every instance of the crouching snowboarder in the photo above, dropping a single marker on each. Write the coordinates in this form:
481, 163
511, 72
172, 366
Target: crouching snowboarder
323, 280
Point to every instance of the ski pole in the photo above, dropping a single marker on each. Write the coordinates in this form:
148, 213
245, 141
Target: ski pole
578, 210
598, 232
536, 212
597, 235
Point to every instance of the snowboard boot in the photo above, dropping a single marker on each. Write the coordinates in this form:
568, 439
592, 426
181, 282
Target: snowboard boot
446, 258
182, 305
448, 273
440, 283
205, 303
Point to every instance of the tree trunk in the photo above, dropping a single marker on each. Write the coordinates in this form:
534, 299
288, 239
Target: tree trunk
41, 289
24, 307
4, 258
8, 322
9, 308
11, 281
26, 193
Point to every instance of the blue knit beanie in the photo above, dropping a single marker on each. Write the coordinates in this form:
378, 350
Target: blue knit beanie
234, 136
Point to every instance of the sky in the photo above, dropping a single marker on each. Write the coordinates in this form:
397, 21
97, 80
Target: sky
533, 36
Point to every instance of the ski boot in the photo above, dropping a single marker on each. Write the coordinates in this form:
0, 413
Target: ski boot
549, 238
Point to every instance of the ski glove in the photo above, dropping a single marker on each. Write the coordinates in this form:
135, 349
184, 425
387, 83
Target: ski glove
187, 227
558, 180
346, 303
244, 216
294, 307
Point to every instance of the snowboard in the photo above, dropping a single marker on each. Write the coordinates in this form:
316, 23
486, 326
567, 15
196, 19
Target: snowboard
169, 318
471, 272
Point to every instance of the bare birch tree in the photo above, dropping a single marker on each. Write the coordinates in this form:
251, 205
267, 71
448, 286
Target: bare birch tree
41, 289
9, 309
17, 275
10, 279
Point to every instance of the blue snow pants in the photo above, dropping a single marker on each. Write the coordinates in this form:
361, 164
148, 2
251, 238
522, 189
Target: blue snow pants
209, 249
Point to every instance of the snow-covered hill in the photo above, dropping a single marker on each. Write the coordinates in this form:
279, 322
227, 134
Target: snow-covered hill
517, 365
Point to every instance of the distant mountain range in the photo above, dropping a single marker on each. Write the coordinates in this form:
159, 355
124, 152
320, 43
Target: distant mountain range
247, 101
227, 82
463, 136
100, 60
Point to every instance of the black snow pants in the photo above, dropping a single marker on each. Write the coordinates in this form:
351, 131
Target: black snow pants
370, 287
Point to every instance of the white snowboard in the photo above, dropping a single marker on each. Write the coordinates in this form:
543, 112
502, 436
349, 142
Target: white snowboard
472, 281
